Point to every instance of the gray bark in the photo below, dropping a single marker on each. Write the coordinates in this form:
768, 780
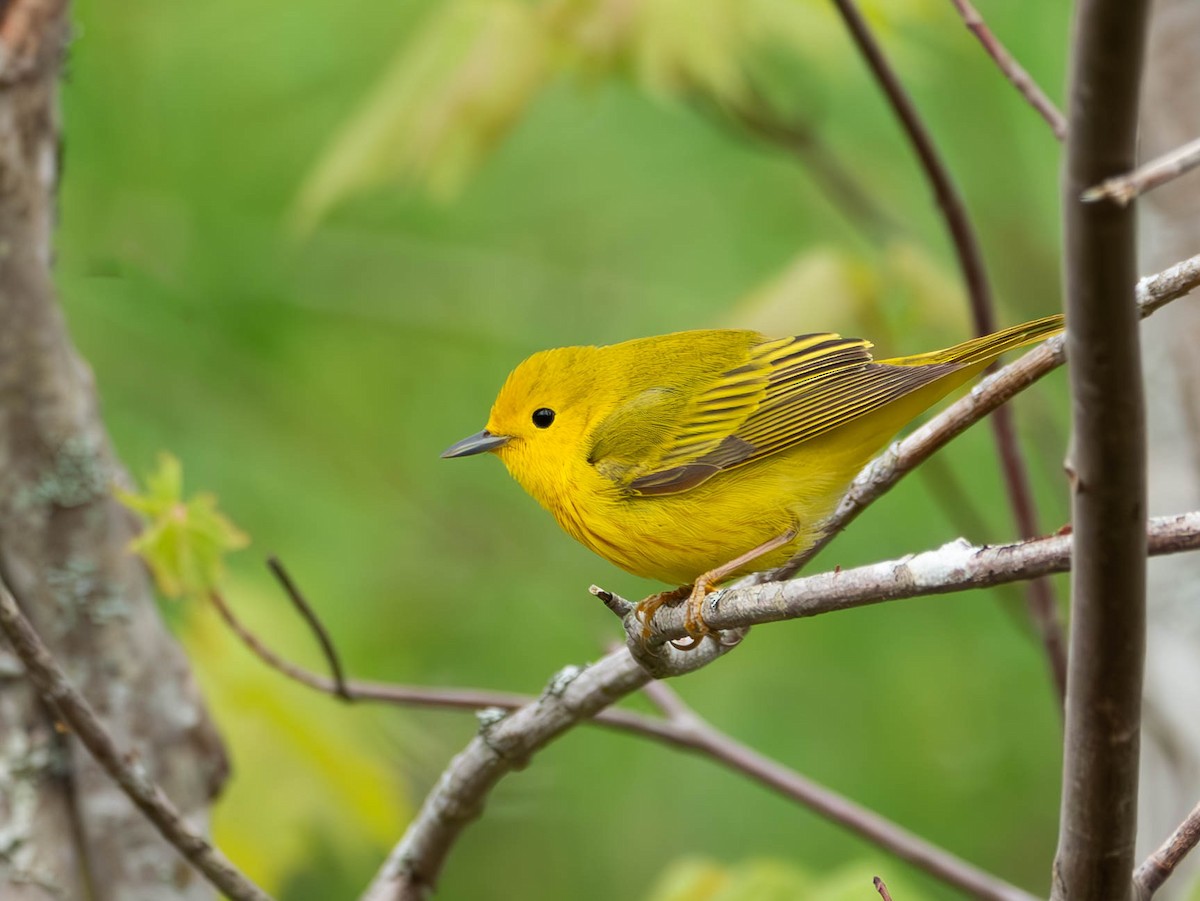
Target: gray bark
1171, 224
66, 831
1098, 819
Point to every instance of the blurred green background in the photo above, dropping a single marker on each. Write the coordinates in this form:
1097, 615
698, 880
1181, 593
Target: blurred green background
301, 245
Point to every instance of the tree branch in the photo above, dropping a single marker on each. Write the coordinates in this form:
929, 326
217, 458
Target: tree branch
1159, 866
124, 767
966, 246
956, 566
879, 476
1043, 609
1011, 69
1122, 189
1098, 820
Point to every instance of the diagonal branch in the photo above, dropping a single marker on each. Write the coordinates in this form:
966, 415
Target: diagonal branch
878, 477
1011, 69
680, 729
702, 737
1043, 609
122, 765
1149, 877
1122, 189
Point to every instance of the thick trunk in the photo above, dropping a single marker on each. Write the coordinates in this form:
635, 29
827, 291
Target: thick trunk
66, 831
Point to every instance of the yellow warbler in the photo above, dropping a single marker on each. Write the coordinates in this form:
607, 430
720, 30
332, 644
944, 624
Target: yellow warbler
698, 456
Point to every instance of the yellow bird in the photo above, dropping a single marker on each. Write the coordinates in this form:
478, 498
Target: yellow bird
699, 456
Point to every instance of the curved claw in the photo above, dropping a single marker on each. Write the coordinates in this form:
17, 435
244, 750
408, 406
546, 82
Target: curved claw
647, 607
693, 621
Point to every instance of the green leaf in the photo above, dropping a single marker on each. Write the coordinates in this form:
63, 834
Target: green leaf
184, 542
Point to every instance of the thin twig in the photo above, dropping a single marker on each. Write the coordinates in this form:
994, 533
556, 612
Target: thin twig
881, 887
1043, 608
966, 246
355, 690
314, 622
1149, 877
1040, 598
122, 765
1011, 69
1098, 818
1122, 189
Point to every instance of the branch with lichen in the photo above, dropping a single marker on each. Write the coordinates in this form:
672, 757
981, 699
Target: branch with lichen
121, 764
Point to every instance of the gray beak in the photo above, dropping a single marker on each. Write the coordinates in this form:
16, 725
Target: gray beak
476, 444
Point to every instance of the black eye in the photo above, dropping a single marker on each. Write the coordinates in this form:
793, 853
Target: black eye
542, 417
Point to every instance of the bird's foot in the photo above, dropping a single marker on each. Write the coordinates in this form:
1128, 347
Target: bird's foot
693, 620
647, 607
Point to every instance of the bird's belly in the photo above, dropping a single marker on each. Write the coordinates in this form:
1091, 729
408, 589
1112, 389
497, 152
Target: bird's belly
675, 538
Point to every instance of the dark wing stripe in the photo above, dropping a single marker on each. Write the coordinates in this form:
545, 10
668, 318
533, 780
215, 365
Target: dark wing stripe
792, 390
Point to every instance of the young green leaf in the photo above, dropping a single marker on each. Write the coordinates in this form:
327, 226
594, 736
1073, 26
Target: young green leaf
184, 541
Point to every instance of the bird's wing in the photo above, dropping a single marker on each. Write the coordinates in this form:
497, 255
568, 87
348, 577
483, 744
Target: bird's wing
790, 390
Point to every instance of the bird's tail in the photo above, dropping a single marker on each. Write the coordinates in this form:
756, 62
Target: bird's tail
987, 347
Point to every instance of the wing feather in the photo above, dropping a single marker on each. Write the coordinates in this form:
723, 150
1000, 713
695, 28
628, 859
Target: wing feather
790, 390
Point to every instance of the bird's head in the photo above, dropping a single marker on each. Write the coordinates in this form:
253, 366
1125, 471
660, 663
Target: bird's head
542, 418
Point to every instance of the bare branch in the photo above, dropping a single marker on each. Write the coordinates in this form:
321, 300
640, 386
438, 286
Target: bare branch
574, 694
1011, 69
1122, 189
1040, 599
314, 622
123, 766
1040, 595
1149, 877
1098, 819
879, 476
966, 246
953, 567
881, 887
